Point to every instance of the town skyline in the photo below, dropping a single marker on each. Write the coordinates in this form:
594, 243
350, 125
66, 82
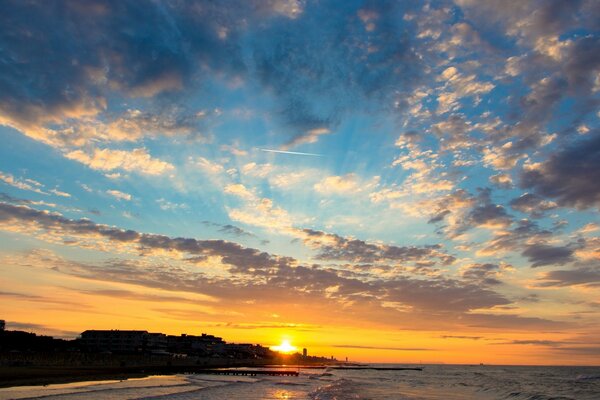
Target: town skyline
389, 181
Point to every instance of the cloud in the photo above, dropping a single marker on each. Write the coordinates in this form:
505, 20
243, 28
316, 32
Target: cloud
454, 133
435, 294
137, 160
208, 166
40, 328
230, 253
335, 247
168, 205
26, 184
310, 136
461, 337
584, 276
535, 342
503, 181
59, 193
119, 195
230, 229
304, 59
338, 185
114, 50
6, 198
237, 189
532, 204
131, 126
485, 274
523, 233
257, 170
281, 277
571, 176
542, 254
487, 214
501, 158
458, 86
351, 346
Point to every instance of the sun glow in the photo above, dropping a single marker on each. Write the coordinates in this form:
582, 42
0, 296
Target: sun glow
285, 347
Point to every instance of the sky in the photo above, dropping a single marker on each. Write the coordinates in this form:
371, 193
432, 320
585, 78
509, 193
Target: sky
389, 181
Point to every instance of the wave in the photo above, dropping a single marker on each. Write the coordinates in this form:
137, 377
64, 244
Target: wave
340, 389
587, 377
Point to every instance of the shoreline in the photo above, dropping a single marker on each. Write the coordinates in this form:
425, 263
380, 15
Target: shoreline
49, 375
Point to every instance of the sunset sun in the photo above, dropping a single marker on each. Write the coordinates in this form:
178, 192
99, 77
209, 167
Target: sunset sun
285, 347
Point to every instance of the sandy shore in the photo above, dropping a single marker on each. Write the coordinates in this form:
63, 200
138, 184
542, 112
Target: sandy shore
34, 376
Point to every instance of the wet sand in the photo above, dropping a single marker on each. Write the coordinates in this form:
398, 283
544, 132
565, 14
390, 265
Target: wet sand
36, 375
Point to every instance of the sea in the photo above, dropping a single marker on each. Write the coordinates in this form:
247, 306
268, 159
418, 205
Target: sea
447, 382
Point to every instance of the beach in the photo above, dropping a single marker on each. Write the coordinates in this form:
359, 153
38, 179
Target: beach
435, 382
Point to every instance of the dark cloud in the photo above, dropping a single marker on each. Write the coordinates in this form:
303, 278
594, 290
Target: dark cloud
522, 232
485, 274
271, 279
232, 253
62, 60
486, 212
584, 276
542, 254
20, 295
230, 229
439, 216
489, 214
511, 321
126, 294
461, 337
589, 351
350, 346
234, 230
40, 329
141, 49
535, 342
295, 327
436, 294
571, 176
532, 204
530, 19
7, 198
345, 57
335, 247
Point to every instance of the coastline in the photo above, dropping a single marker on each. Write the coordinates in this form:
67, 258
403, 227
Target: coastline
42, 376
15, 376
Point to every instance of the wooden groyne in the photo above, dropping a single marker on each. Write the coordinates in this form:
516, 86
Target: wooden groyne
247, 372
383, 368
361, 367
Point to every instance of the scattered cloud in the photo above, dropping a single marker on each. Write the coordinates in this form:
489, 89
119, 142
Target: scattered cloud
137, 160
570, 176
23, 184
119, 195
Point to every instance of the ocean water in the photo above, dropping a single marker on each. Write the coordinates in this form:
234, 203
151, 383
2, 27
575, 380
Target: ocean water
435, 382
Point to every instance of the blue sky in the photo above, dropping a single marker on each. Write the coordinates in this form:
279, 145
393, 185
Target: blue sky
399, 161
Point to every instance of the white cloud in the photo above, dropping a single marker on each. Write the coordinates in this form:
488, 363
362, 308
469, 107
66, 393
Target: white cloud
137, 160
59, 193
25, 184
338, 184
208, 166
119, 195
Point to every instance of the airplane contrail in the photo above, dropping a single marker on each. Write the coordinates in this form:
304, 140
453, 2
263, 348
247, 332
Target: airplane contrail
291, 152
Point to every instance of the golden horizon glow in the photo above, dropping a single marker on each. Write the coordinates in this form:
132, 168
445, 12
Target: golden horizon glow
285, 347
